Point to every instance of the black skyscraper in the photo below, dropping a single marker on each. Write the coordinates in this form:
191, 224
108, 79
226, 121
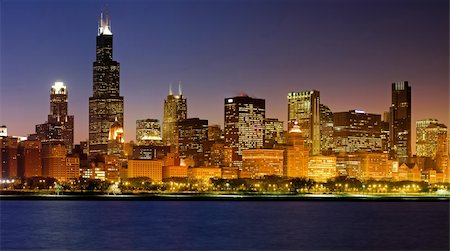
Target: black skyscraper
106, 104
400, 121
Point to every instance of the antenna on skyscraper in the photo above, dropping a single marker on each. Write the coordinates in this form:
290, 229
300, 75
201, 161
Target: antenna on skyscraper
170, 89
179, 88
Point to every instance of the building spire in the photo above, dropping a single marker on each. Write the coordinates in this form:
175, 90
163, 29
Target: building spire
179, 88
105, 24
170, 89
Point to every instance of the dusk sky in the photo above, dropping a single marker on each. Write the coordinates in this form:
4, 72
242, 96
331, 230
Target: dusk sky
349, 50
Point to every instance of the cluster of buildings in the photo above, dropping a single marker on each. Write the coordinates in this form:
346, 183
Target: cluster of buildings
318, 144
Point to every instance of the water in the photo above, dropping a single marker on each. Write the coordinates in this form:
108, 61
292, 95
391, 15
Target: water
244, 225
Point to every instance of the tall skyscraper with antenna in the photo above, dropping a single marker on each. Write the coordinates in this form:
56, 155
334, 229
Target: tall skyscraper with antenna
175, 110
106, 104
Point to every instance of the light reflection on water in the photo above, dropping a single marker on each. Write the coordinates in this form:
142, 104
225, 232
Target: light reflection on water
223, 225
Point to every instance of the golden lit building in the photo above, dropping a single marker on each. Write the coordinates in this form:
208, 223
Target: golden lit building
263, 162
204, 173
407, 171
72, 167
54, 160
116, 139
174, 172
322, 168
145, 168
230, 173
374, 166
112, 168
30, 163
296, 154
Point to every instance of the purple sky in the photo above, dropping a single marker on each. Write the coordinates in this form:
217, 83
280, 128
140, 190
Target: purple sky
349, 50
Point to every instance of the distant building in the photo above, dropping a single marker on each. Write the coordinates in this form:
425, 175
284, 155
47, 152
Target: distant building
244, 125
263, 162
214, 133
304, 108
148, 132
296, 154
149, 152
375, 166
59, 126
105, 104
204, 173
326, 128
273, 133
322, 168
407, 171
30, 163
175, 110
385, 140
427, 135
192, 139
175, 172
400, 121
116, 140
145, 168
9, 149
3, 131
56, 163
113, 164
357, 130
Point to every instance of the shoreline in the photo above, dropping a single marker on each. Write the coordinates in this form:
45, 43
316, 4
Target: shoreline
211, 196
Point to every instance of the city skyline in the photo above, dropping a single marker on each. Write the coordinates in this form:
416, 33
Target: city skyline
428, 100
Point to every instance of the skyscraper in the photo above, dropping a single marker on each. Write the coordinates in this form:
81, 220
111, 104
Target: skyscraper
175, 110
244, 125
400, 121
148, 132
427, 137
106, 104
59, 126
274, 129
304, 107
326, 128
192, 140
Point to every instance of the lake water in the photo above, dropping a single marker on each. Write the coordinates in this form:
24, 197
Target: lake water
299, 225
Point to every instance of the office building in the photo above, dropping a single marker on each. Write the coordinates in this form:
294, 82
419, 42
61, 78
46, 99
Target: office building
296, 154
105, 104
273, 133
427, 137
322, 168
59, 126
148, 132
30, 163
326, 129
204, 173
400, 121
145, 168
244, 125
175, 110
356, 130
263, 162
192, 139
9, 150
304, 108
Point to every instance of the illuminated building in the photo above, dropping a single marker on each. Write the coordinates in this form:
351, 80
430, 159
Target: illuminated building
427, 135
8, 157
296, 154
326, 128
230, 173
106, 104
214, 133
115, 140
349, 165
356, 130
3, 131
175, 110
385, 141
400, 121
148, 132
263, 162
244, 125
112, 167
30, 163
407, 171
145, 168
192, 137
304, 108
374, 166
217, 155
322, 168
171, 159
149, 152
174, 172
57, 164
59, 125
204, 173
273, 133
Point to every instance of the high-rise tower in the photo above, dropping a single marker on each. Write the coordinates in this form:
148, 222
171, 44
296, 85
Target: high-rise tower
59, 126
304, 108
175, 110
400, 121
106, 104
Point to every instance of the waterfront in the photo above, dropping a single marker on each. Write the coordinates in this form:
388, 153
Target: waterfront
67, 224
